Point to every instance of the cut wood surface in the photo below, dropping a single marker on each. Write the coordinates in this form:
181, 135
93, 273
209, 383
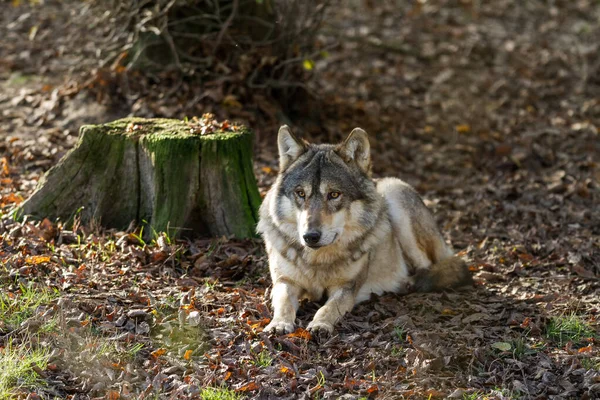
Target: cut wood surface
160, 172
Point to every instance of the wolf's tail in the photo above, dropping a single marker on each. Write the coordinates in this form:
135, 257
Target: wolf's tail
448, 273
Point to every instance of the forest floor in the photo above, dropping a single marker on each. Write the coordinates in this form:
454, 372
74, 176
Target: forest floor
490, 109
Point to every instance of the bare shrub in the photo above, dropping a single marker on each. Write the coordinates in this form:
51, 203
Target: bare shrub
250, 44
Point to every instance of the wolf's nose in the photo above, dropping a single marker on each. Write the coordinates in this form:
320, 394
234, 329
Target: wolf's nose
312, 237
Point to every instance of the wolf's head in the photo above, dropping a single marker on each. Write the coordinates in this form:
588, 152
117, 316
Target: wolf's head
325, 193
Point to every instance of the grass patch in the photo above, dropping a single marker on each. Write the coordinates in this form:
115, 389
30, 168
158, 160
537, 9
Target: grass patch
400, 333
571, 328
397, 351
493, 394
521, 348
263, 359
17, 364
19, 79
19, 306
591, 363
50, 326
177, 338
220, 394
113, 351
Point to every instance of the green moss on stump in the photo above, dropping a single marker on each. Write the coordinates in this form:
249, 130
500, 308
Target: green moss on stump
154, 170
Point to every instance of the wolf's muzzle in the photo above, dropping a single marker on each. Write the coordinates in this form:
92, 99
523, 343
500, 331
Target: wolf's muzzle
312, 238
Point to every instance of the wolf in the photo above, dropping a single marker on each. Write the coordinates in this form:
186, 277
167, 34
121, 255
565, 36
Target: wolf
331, 229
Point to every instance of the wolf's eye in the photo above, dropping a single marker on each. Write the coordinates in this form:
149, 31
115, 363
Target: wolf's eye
333, 195
300, 193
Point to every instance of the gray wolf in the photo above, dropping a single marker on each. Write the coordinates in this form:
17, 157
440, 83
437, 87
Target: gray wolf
330, 229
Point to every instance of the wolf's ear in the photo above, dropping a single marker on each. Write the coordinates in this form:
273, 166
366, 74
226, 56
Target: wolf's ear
290, 148
356, 149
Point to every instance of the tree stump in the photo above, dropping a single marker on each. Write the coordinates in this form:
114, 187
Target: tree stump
169, 174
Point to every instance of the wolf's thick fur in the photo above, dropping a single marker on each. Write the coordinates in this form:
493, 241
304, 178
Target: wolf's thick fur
330, 229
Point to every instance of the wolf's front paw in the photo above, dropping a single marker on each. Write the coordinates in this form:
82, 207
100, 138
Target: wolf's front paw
279, 327
320, 328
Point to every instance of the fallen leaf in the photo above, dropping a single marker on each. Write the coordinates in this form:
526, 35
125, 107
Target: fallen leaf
449, 311
48, 230
463, 128
232, 102
188, 354
158, 352
33, 32
491, 276
432, 394
220, 311
261, 323
158, 256
474, 317
525, 257
308, 65
503, 150
457, 394
373, 389
582, 272
36, 260
131, 127
585, 349
300, 333
10, 198
249, 387
502, 346
113, 395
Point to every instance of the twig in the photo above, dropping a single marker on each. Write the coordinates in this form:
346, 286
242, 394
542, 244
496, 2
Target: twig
226, 25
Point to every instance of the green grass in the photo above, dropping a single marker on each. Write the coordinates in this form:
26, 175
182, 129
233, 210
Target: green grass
505, 393
591, 363
49, 326
571, 328
19, 79
321, 379
133, 350
397, 351
139, 237
211, 284
111, 350
16, 364
400, 333
175, 337
220, 394
106, 250
521, 348
156, 235
18, 307
262, 359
